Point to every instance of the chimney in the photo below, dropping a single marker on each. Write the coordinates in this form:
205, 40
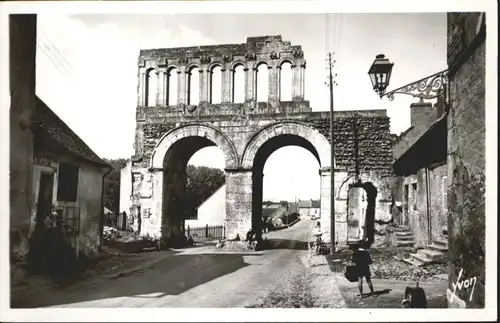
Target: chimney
423, 114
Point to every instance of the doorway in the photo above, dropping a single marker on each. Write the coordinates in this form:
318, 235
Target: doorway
44, 203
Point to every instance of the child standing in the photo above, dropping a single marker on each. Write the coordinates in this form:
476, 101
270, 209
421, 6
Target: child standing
361, 258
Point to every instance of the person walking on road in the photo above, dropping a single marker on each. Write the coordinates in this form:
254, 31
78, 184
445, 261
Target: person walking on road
362, 259
316, 232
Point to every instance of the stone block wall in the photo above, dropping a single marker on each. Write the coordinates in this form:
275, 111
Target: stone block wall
247, 133
466, 151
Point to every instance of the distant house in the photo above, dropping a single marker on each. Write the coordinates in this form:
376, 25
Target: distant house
273, 214
421, 174
309, 208
212, 211
68, 177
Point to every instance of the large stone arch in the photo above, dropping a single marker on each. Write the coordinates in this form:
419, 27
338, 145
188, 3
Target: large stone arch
194, 130
378, 217
317, 140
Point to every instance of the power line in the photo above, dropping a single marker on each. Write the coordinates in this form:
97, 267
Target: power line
57, 59
63, 58
53, 60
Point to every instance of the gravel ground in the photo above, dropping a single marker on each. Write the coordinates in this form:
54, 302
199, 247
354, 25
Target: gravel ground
309, 284
293, 290
386, 266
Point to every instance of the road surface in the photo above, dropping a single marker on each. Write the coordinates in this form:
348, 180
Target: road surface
202, 277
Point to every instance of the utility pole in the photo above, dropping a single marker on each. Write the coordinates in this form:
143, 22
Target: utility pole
330, 84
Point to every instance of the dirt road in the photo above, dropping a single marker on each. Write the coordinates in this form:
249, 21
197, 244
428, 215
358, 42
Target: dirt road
201, 277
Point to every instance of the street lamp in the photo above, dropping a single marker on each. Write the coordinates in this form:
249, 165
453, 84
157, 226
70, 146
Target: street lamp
429, 87
380, 74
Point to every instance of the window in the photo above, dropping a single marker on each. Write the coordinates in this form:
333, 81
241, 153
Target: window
67, 183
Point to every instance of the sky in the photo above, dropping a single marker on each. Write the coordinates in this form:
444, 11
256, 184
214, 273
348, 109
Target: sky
87, 72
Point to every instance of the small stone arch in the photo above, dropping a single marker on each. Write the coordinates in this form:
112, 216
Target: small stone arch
285, 60
343, 188
261, 62
214, 65
192, 66
236, 64
194, 130
172, 67
318, 141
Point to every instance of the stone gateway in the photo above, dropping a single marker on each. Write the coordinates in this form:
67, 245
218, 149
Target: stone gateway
172, 125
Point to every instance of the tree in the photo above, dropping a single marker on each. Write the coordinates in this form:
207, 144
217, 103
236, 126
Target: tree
202, 182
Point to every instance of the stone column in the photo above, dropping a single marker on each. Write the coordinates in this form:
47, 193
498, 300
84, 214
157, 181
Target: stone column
205, 79
162, 87
157, 75
295, 82
273, 93
227, 85
231, 85
253, 85
340, 206
238, 202
181, 86
325, 209
248, 83
302, 80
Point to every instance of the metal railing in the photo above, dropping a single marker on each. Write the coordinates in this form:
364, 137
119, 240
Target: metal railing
207, 232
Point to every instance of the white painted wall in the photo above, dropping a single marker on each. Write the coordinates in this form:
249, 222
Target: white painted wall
212, 211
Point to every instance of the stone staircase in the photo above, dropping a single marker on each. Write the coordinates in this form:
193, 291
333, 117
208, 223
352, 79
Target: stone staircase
433, 253
404, 236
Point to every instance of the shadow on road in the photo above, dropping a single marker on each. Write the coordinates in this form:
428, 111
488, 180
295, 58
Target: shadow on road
287, 244
381, 292
171, 276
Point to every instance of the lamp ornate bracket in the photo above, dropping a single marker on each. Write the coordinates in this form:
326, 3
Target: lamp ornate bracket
427, 88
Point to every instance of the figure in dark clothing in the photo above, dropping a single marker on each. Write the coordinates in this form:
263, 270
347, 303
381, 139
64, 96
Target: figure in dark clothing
361, 258
251, 239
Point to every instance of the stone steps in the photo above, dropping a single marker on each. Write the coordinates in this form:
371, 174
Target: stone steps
401, 229
404, 236
404, 243
441, 242
438, 247
433, 255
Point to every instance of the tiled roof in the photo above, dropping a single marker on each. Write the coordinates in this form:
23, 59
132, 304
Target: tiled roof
315, 204
51, 133
305, 204
309, 204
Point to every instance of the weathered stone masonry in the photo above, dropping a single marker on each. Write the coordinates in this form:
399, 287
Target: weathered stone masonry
247, 133
466, 155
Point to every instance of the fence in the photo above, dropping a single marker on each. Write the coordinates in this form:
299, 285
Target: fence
68, 222
207, 232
